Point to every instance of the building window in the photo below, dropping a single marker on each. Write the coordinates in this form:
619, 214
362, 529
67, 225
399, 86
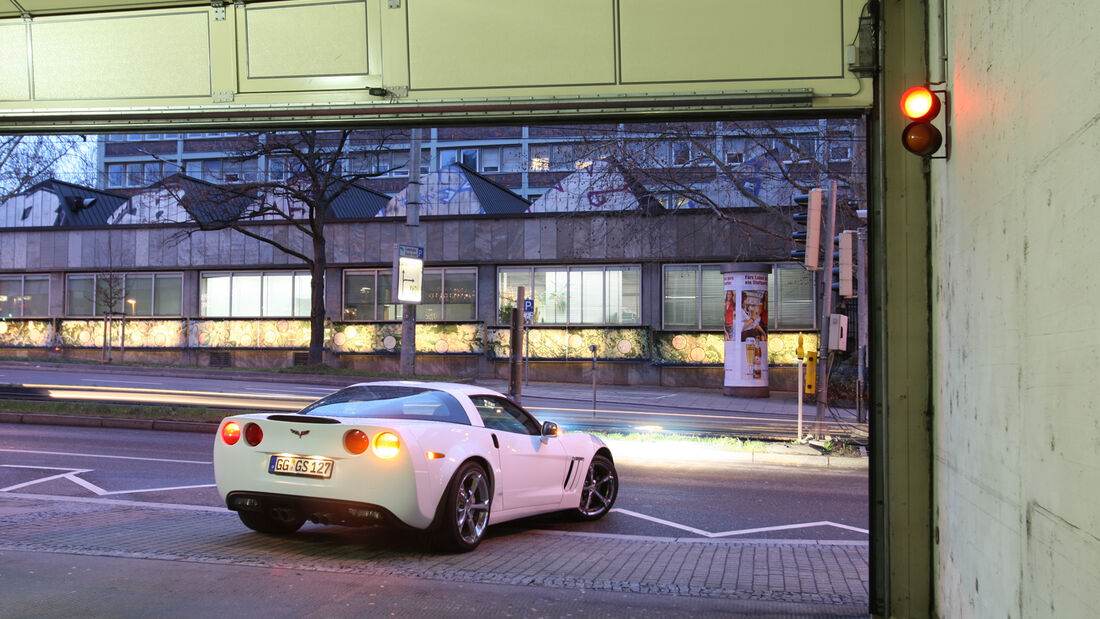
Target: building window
254, 294
447, 157
152, 294
469, 158
694, 296
24, 296
116, 175
490, 160
791, 297
589, 295
681, 153
447, 294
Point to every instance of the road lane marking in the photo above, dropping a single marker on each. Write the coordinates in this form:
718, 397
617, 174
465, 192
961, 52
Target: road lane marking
87, 485
66, 475
785, 527
160, 489
788, 527
126, 382
71, 475
80, 455
120, 502
667, 523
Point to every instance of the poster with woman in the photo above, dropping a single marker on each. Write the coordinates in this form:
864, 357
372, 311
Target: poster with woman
746, 329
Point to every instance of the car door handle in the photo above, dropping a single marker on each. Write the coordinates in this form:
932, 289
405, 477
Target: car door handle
496, 443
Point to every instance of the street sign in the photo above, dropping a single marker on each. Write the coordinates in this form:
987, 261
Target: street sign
408, 271
528, 309
410, 251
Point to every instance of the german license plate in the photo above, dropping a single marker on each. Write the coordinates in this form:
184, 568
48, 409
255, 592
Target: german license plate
300, 466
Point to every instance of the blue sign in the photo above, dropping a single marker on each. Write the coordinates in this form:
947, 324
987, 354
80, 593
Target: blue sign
528, 305
410, 251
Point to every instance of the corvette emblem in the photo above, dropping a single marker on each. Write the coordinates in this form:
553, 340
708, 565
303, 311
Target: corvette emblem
299, 434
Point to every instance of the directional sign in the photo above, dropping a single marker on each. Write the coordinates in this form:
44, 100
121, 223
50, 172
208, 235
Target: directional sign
408, 271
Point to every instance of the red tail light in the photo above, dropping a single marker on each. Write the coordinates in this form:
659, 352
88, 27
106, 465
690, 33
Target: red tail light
253, 434
231, 433
356, 442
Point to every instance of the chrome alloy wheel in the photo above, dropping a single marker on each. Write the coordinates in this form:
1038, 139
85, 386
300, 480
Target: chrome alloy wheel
601, 486
472, 506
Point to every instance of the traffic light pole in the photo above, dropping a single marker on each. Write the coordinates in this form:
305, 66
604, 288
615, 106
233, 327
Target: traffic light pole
826, 312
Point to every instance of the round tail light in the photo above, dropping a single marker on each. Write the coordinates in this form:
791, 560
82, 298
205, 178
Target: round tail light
231, 433
356, 441
386, 445
253, 434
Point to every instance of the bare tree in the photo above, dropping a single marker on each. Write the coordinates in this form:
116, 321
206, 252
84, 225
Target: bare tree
314, 168
726, 166
28, 160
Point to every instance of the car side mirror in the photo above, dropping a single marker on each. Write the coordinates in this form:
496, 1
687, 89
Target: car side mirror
549, 428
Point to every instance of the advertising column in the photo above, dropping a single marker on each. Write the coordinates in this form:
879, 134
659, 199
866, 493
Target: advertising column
746, 329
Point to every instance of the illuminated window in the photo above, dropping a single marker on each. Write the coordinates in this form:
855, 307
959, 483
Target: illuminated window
255, 294
573, 295
447, 294
154, 294
24, 295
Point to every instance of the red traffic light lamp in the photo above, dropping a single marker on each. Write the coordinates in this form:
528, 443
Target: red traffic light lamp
920, 105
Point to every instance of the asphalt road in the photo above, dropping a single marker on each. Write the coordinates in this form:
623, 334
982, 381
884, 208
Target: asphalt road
658, 497
645, 409
126, 523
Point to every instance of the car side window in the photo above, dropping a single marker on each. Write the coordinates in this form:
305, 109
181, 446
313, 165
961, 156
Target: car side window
500, 414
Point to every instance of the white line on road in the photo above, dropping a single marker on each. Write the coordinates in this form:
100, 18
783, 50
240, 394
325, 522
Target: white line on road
121, 502
785, 527
128, 382
667, 523
79, 455
160, 489
67, 475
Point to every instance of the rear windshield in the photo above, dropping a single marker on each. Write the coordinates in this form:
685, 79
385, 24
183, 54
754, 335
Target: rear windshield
390, 402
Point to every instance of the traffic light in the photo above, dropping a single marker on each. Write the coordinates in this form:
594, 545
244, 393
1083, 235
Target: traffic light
921, 106
846, 276
811, 219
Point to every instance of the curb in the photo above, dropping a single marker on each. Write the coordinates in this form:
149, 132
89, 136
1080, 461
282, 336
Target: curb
109, 422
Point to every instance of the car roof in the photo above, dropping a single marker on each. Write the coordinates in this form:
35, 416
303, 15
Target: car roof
452, 388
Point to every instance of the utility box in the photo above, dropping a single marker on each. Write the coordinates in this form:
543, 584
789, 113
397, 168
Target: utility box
838, 332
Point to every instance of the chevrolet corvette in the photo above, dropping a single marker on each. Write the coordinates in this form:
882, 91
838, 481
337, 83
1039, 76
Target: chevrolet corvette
445, 458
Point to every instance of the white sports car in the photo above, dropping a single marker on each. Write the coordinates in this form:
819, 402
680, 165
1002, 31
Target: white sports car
447, 458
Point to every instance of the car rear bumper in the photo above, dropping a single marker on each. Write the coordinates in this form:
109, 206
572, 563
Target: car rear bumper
319, 510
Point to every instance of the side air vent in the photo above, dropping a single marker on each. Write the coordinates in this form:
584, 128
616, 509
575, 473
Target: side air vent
300, 359
302, 419
220, 359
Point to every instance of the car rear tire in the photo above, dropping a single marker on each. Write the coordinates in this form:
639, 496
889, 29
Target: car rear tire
273, 522
601, 488
465, 510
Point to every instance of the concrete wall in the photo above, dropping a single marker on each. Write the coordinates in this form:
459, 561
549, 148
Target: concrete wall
1016, 343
